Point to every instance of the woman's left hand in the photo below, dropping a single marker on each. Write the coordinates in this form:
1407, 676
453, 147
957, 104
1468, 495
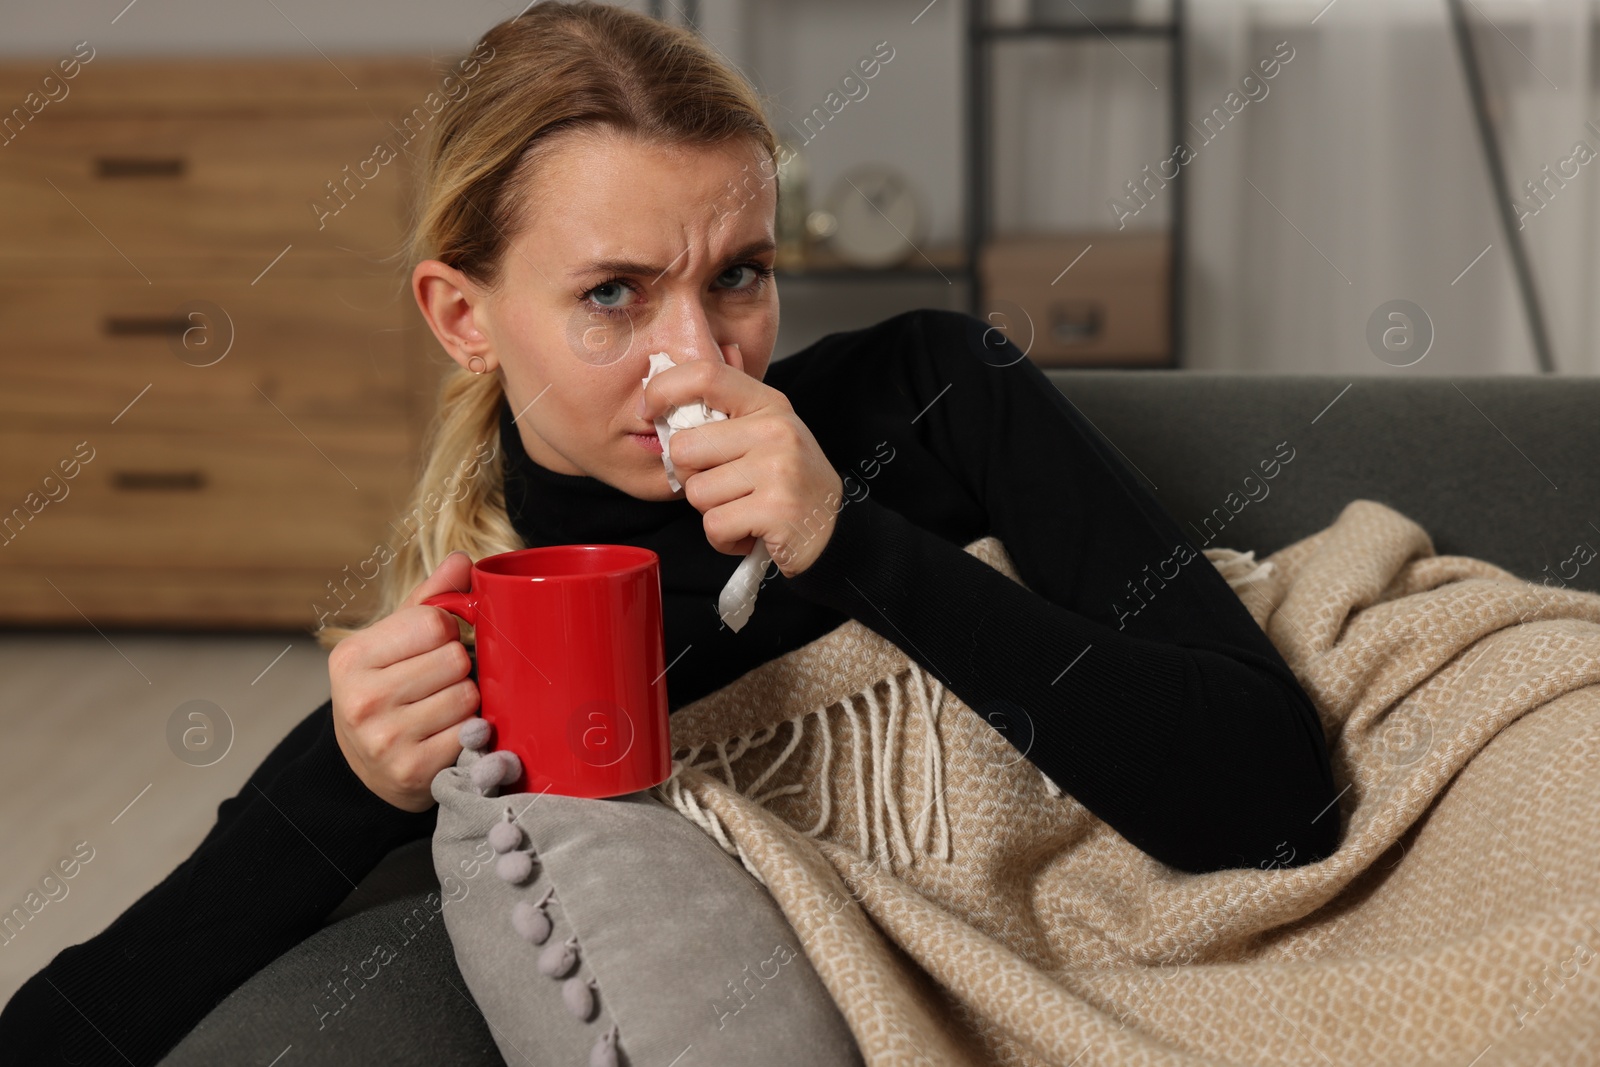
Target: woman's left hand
756, 476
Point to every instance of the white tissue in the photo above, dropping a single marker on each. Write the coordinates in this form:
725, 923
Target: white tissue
683, 417
738, 598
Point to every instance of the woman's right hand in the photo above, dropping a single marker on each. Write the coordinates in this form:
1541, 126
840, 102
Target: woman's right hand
400, 689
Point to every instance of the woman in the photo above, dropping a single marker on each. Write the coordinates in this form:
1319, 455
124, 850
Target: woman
604, 194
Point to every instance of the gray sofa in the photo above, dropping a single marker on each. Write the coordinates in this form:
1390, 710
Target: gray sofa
1502, 468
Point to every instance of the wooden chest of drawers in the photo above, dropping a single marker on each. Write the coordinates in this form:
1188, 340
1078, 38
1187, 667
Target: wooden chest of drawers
235, 377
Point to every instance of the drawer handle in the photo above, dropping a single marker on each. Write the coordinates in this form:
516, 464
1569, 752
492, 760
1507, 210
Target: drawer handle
1075, 322
146, 325
187, 481
134, 167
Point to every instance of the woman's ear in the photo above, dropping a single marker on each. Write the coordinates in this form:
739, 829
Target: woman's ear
453, 306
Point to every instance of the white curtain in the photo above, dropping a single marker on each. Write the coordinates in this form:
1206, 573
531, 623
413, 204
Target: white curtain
1352, 178
1378, 188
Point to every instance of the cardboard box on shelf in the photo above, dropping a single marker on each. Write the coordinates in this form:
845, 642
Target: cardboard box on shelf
1111, 308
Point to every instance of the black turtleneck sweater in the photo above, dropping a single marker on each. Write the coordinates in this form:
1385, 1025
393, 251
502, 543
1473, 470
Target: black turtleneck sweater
1127, 670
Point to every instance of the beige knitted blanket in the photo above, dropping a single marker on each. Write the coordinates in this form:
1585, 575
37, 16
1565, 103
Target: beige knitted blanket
961, 910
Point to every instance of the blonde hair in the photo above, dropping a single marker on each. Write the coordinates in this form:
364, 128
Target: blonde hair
557, 66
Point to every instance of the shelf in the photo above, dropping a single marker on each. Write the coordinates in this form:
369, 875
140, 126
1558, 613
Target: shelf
896, 274
948, 263
1120, 29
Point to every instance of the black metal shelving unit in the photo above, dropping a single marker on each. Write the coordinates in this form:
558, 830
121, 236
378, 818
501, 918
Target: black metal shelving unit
981, 37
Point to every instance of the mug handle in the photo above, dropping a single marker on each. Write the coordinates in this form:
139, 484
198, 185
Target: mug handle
463, 605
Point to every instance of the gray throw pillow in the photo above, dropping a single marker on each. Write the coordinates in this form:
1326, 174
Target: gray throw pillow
617, 927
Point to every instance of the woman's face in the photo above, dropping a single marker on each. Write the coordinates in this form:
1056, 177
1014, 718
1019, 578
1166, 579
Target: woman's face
628, 248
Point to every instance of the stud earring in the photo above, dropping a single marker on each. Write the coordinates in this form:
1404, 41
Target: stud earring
482, 365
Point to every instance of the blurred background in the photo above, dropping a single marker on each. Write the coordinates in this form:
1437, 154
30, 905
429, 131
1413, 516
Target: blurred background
213, 381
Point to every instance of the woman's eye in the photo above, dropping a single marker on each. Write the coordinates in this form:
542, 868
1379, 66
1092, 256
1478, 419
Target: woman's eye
609, 294
730, 278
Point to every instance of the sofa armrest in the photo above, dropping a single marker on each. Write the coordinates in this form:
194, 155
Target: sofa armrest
413, 1011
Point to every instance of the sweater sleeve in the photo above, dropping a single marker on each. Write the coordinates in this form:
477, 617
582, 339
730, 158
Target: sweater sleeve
284, 852
1172, 718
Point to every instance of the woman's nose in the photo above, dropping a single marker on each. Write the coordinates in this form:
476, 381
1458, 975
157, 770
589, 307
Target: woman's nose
687, 334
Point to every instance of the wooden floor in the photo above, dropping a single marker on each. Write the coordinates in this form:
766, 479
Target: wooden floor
86, 758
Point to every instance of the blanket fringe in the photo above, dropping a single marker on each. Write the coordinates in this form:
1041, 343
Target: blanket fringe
672, 792
1239, 569
880, 811
880, 815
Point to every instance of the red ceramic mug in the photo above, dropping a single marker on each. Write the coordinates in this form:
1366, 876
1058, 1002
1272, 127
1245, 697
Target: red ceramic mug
572, 665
